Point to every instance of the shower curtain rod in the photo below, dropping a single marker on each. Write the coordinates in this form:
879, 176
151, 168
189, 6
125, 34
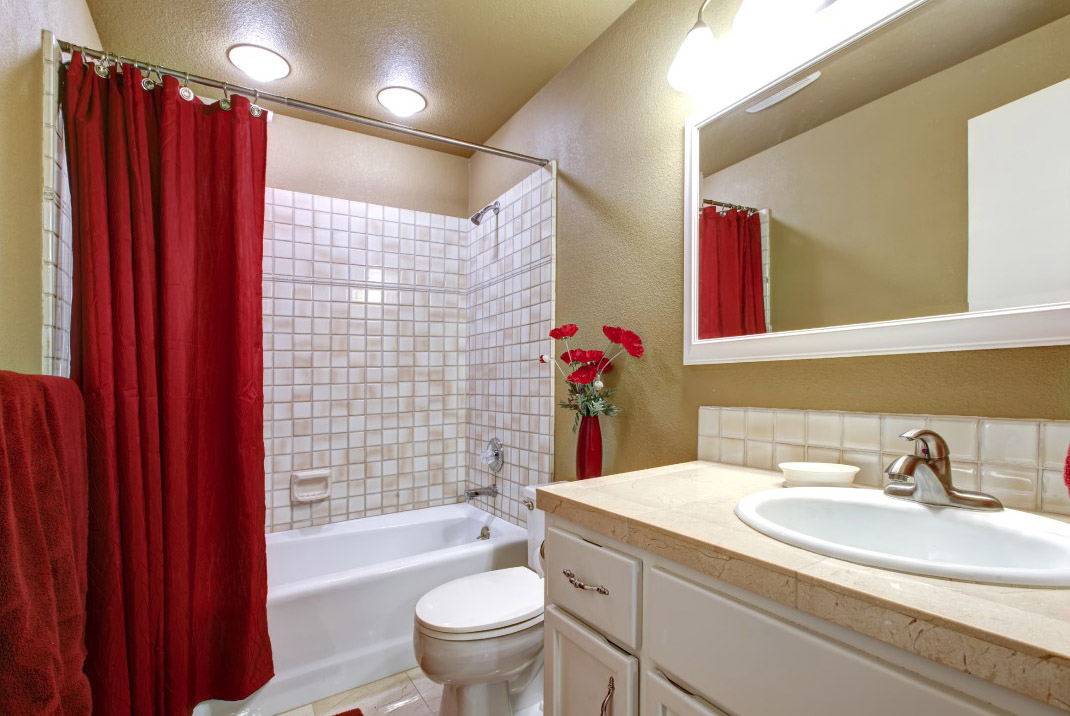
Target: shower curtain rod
730, 205
259, 95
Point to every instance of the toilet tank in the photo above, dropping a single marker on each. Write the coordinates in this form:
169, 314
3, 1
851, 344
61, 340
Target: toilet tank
536, 530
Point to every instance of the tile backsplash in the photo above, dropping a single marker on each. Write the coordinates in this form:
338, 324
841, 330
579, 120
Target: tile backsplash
1018, 461
396, 344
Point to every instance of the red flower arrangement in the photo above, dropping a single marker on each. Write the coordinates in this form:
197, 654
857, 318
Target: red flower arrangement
583, 369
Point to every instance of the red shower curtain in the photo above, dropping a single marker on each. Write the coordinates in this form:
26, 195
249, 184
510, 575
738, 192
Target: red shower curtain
730, 301
168, 214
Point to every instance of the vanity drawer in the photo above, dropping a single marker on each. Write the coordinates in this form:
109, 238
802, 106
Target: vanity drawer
749, 662
597, 584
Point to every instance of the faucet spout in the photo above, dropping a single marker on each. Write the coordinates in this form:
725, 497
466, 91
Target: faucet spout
926, 477
488, 491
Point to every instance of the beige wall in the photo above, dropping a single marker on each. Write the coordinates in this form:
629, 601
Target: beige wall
616, 128
878, 229
319, 159
21, 178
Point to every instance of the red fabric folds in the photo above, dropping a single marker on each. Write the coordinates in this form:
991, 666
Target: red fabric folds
43, 518
730, 301
168, 215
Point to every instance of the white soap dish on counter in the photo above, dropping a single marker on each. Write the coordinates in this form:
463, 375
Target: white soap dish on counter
824, 474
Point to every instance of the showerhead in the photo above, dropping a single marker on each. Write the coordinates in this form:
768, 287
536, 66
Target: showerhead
477, 218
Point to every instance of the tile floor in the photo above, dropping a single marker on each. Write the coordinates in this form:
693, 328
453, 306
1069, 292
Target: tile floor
409, 693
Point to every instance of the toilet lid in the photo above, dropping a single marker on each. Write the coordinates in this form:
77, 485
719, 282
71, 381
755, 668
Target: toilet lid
488, 600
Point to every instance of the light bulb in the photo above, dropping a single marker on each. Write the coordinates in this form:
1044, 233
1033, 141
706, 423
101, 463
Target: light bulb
695, 61
773, 16
402, 101
260, 63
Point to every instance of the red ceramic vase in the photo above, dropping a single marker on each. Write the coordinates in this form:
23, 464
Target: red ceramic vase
589, 448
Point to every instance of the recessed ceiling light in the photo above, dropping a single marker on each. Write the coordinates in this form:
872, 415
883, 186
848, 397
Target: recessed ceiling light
402, 101
260, 63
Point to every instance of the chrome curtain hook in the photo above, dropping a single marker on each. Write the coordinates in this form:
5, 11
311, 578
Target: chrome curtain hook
146, 82
185, 92
225, 102
254, 108
101, 65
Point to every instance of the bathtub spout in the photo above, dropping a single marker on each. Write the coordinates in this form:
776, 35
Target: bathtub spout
488, 491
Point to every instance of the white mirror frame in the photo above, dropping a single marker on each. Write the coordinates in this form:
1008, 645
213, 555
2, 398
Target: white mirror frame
1041, 325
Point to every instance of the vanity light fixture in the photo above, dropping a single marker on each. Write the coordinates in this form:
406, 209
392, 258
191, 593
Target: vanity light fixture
696, 59
756, 17
402, 101
260, 63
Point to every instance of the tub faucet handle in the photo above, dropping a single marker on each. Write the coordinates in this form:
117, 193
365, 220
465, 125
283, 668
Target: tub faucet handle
492, 455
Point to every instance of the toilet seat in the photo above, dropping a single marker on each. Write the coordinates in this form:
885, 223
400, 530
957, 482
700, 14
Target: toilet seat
482, 606
478, 635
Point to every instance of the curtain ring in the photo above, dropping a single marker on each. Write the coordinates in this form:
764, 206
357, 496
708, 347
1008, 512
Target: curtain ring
225, 102
185, 92
101, 66
254, 109
119, 64
146, 82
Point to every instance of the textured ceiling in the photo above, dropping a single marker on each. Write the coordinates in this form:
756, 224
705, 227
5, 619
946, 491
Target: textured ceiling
476, 61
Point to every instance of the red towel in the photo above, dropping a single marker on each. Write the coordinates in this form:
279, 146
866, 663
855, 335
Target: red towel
43, 528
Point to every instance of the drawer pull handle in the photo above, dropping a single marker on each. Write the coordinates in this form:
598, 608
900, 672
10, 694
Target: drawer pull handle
580, 585
608, 699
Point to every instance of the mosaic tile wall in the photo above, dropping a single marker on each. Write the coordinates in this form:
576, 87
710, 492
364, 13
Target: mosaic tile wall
364, 340
57, 269
1018, 461
396, 343
510, 314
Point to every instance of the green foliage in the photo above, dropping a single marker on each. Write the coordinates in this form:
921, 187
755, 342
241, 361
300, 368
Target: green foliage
587, 401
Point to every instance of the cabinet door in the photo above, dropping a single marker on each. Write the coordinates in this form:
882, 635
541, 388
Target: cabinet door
585, 674
751, 663
663, 698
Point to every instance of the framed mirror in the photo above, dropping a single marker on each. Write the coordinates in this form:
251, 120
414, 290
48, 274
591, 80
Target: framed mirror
909, 192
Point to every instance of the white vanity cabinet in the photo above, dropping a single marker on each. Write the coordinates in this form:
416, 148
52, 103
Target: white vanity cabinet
661, 697
680, 643
585, 674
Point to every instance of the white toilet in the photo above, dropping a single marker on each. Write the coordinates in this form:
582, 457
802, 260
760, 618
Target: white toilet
481, 636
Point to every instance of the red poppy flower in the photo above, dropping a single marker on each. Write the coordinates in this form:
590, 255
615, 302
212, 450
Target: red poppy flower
613, 333
578, 355
604, 365
583, 375
566, 331
632, 343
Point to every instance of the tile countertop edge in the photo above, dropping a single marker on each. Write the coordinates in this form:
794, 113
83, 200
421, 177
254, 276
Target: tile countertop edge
1034, 670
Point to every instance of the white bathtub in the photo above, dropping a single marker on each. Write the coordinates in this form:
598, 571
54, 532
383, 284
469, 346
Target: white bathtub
341, 597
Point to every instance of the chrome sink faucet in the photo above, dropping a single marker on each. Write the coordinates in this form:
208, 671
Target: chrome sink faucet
930, 468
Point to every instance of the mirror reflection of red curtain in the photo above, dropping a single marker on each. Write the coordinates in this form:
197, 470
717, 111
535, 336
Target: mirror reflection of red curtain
168, 215
730, 299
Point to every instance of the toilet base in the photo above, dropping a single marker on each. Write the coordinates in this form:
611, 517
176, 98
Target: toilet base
519, 696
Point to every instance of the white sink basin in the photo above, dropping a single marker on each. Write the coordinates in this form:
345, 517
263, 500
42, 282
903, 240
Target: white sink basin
868, 527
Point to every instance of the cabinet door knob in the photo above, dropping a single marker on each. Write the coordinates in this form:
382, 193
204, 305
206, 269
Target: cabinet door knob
580, 585
608, 699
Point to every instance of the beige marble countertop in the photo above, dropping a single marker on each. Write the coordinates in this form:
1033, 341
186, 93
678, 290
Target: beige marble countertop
1014, 636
